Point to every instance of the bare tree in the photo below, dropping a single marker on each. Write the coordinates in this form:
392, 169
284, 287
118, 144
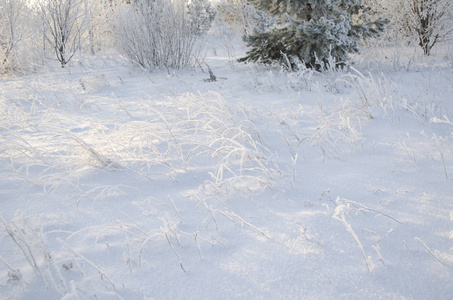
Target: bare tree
12, 31
430, 20
239, 15
101, 15
65, 22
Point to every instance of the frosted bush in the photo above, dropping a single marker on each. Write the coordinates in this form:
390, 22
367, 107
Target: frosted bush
158, 33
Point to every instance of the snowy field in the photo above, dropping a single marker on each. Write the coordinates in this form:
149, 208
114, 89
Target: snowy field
263, 184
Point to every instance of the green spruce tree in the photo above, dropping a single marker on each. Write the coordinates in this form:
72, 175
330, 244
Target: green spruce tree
311, 31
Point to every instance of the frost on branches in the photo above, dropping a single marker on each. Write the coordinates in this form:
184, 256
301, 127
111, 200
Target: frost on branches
311, 31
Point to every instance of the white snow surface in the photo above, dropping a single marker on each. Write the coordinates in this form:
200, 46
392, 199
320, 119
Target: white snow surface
122, 183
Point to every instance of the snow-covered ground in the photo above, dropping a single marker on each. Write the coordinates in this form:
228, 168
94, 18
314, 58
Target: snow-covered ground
263, 184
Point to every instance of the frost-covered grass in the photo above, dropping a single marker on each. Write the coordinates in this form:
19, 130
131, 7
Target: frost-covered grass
264, 184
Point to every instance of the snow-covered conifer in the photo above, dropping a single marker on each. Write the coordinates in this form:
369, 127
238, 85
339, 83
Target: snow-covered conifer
311, 31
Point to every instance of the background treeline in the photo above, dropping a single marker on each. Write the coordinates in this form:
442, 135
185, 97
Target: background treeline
174, 33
